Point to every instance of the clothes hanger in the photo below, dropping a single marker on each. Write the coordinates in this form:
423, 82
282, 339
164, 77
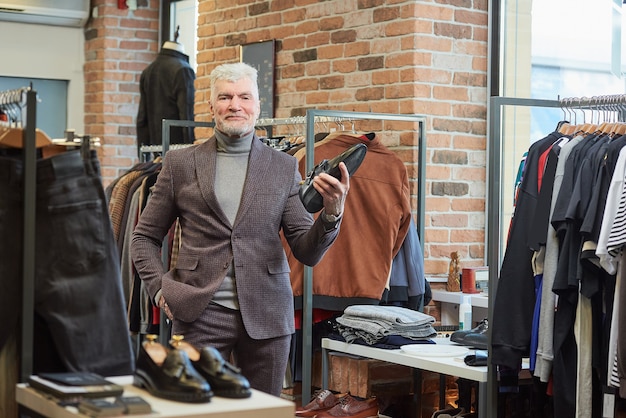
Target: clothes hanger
13, 137
563, 125
587, 127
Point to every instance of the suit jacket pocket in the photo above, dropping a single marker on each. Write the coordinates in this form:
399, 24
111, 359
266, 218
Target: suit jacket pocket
278, 267
186, 262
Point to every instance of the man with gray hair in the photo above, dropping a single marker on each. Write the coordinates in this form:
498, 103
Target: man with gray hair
233, 195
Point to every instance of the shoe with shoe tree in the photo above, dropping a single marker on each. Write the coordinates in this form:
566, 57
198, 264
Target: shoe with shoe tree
168, 373
225, 379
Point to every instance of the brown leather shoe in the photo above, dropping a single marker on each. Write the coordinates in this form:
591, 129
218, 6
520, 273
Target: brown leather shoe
322, 401
350, 407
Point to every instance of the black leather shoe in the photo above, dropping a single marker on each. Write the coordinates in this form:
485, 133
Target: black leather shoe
352, 158
169, 374
476, 340
459, 337
225, 379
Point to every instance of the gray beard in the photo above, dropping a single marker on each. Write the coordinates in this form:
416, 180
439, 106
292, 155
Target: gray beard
235, 131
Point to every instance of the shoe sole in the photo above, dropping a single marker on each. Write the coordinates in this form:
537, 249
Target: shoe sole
143, 381
309, 413
238, 394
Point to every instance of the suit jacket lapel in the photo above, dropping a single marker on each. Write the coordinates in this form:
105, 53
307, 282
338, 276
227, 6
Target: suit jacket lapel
205, 159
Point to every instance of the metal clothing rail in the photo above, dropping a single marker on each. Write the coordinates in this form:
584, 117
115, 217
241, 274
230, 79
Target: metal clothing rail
17, 102
494, 212
21, 106
495, 169
615, 103
299, 120
608, 101
261, 122
13, 103
307, 296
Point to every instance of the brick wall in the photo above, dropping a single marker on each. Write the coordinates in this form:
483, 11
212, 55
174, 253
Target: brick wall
427, 58
119, 44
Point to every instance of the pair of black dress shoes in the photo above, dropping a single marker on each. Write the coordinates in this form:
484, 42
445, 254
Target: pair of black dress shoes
185, 373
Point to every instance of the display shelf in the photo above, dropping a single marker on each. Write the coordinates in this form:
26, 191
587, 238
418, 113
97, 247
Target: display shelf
479, 300
259, 405
451, 366
450, 302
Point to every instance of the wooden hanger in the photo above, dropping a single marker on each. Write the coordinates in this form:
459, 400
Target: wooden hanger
14, 137
564, 127
619, 128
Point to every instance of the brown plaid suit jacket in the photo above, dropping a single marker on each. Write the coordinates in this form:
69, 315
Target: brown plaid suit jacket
269, 203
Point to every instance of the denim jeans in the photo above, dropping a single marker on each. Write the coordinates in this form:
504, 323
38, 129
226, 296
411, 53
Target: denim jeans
80, 317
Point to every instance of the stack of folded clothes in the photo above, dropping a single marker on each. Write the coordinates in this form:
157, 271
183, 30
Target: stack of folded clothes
374, 323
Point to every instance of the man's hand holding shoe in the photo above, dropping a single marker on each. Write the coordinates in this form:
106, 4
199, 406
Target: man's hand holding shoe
333, 192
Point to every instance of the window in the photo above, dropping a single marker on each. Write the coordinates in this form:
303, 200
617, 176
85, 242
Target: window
551, 49
51, 103
184, 15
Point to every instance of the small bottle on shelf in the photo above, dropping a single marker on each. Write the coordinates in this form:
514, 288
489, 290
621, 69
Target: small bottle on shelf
465, 313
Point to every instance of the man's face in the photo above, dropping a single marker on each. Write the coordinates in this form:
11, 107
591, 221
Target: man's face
235, 108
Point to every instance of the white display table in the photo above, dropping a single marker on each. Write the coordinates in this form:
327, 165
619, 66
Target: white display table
452, 366
259, 405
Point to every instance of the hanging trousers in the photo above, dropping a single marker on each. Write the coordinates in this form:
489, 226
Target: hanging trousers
80, 317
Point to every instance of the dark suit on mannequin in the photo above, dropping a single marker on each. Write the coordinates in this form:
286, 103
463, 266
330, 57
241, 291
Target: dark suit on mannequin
166, 91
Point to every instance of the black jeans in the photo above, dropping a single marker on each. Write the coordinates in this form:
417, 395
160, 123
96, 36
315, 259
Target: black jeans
80, 319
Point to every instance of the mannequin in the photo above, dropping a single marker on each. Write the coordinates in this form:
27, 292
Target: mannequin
167, 92
175, 46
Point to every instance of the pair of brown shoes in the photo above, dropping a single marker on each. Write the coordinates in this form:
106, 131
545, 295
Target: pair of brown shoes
326, 404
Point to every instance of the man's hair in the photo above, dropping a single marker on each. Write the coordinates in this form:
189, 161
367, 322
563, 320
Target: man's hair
233, 72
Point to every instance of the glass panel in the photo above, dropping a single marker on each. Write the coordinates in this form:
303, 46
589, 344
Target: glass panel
558, 48
52, 102
553, 49
185, 14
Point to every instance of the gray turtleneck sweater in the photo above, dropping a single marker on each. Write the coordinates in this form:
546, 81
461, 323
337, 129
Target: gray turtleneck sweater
231, 169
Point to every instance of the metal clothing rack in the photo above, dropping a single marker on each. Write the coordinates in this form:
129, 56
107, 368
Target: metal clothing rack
164, 323
19, 103
494, 212
23, 102
313, 116
607, 103
166, 145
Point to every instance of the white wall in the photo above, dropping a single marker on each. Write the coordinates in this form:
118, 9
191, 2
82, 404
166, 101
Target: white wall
185, 14
49, 52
